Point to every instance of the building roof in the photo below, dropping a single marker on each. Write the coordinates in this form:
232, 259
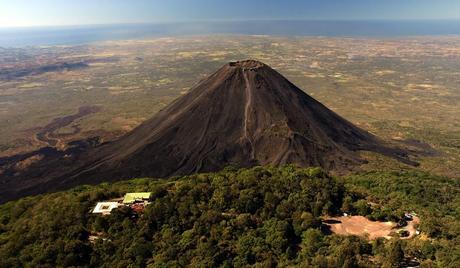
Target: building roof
105, 207
133, 197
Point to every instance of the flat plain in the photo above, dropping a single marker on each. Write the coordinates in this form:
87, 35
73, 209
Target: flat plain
403, 90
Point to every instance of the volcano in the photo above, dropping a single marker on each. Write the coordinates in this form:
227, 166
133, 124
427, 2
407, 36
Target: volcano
243, 115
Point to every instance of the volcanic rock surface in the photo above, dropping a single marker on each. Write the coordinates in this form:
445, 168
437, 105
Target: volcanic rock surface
244, 114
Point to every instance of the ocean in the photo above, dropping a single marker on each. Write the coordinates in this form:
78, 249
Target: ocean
70, 35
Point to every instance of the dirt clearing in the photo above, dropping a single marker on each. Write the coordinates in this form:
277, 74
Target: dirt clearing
361, 226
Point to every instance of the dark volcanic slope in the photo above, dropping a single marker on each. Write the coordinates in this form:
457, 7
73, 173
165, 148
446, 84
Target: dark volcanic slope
244, 114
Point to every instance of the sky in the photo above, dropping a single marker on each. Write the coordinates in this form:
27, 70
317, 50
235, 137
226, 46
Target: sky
24, 13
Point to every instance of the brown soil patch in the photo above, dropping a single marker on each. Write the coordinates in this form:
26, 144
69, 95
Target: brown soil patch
361, 226
21, 165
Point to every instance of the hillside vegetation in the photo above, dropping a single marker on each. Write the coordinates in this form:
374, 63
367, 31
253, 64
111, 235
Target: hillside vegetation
257, 217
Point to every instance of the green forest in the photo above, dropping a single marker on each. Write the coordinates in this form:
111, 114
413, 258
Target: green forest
257, 217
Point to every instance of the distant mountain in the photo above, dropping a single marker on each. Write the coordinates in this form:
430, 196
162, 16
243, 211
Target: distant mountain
245, 114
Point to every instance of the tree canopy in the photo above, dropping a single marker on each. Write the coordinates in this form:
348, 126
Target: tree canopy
262, 216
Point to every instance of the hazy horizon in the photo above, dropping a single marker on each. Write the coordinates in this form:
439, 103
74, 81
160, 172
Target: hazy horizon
81, 34
23, 13
83, 25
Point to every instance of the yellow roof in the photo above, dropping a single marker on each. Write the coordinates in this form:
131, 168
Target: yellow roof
132, 197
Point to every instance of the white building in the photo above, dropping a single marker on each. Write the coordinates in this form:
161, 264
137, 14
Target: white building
105, 208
